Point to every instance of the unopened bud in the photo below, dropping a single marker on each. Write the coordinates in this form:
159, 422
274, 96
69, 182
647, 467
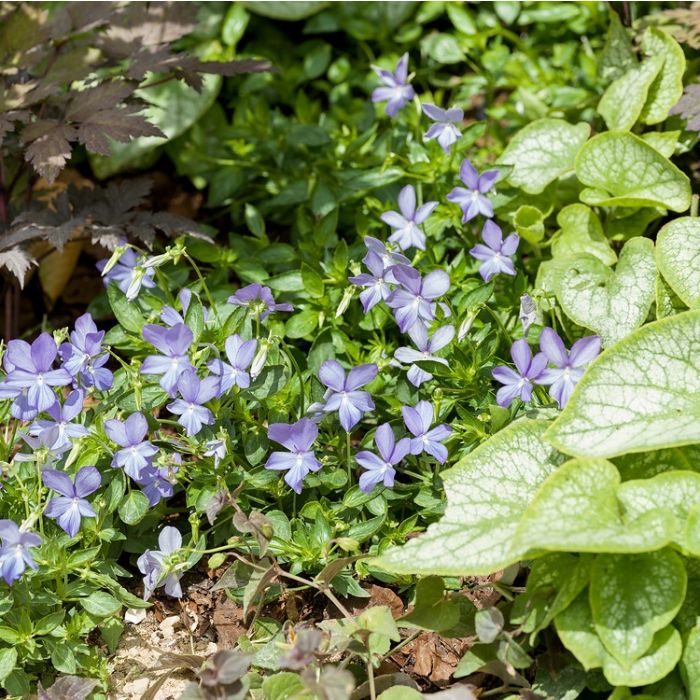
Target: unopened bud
114, 258
345, 301
259, 359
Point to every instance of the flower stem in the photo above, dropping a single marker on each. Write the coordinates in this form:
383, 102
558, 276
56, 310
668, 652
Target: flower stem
347, 456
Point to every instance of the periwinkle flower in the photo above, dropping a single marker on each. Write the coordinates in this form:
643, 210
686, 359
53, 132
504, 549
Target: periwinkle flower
195, 392
259, 299
217, 449
415, 300
528, 312
380, 469
46, 447
343, 393
376, 282
84, 357
520, 383
407, 232
472, 199
15, 556
159, 567
426, 349
396, 91
418, 420
68, 508
388, 256
240, 354
300, 460
174, 343
62, 421
444, 130
136, 453
495, 255
130, 274
30, 367
156, 483
171, 317
568, 366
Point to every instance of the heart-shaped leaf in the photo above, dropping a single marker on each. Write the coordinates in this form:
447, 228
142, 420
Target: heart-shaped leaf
667, 87
581, 232
487, 492
641, 394
577, 633
543, 151
610, 303
632, 597
678, 257
622, 170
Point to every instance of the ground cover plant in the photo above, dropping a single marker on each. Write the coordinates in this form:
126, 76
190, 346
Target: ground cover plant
426, 373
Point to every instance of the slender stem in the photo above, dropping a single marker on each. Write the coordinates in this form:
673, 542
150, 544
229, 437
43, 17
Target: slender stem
348, 457
370, 679
207, 293
694, 205
401, 645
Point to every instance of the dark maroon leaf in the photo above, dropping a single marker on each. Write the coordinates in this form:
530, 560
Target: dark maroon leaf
119, 124
50, 147
105, 96
68, 688
688, 106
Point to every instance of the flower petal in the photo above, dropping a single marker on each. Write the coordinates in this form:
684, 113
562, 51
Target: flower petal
332, 375
553, 347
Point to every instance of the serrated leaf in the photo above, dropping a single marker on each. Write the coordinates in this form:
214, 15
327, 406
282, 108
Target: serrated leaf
581, 232
688, 107
18, 262
632, 597
667, 87
622, 170
678, 257
49, 147
610, 303
487, 492
641, 394
542, 152
576, 510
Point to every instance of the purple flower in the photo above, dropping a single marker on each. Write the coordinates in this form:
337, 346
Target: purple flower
343, 395
300, 460
258, 298
418, 420
472, 200
216, 449
396, 91
136, 453
376, 283
195, 393
171, 317
407, 231
444, 130
30, 367
568, 366
130, 274
495, 255
62, 417
240, 354
14, 553
156, 484
84, 357
388, 257
158, 566
520, 383
174, 343
46, 447
415, 299
426, 349
68, 508
381, 468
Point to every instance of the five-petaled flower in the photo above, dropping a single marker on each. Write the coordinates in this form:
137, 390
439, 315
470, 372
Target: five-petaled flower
407, 232
62, 417
84, 357
240, 354
380, 469
130, 273
376, 282
426, 347
343, 393
300, 460
259, 299
136, 453
444, 130
495, 255
568, 366
396, 91
415, 300
195, 392
156, 483
520, 383
159, 567
68, 508
418, 420
174, 343
14, 552
472, 199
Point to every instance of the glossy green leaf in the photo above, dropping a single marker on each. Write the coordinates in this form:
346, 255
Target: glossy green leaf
667, 87
632, 597
487, 492
678, 257
663, 141
641, 394
576, 631
126, 312
101, 604
610, 303
581, 232
622, 170
8, 661
133, 508
542, 152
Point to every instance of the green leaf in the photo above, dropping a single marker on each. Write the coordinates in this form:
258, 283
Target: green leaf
254, 221
663, 141
443, 48
577, 633
690, 664
133, 508
8, 661
641, 394
581, 232
378, 619
634, 596
667, 87
285, 11
623, 101
529, 223
612, 304
194, 318
678, 257
431, 611
543, 151
101, 604
667, 301
313, 282
623, 170
126, 312
576, 510
487, 492
285, 686
618, 54
302, 324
